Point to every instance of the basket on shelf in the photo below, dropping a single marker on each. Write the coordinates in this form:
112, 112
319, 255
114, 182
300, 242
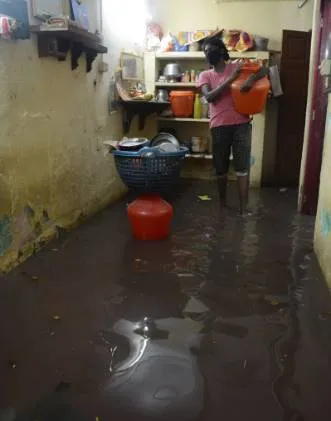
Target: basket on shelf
150, 174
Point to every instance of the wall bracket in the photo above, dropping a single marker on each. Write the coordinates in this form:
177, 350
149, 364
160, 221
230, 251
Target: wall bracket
58, 42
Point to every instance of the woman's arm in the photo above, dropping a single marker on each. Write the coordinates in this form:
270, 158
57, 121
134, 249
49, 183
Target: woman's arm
248, 85
213, 95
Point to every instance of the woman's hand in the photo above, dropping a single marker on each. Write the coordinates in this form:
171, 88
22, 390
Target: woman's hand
247, 86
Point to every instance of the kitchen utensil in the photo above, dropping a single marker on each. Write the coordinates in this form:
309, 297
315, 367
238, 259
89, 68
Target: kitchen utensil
172, 72
164, 138
133, 144
162, 95
148, 152
199, 144
261, 44
167, 147
194, 47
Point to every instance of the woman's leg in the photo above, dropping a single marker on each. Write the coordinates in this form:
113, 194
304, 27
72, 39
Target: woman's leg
241, 148
222, 138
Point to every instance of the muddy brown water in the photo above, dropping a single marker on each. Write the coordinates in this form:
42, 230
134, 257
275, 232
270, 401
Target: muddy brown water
227, 320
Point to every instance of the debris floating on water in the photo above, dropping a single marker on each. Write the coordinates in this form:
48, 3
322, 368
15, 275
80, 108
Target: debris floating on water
12, 364
112, 352
204, 198
185, 275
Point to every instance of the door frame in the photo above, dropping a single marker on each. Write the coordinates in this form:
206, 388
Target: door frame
278, 178
311, 172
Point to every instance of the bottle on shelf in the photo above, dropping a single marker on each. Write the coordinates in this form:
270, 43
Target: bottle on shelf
204, 108
197, 107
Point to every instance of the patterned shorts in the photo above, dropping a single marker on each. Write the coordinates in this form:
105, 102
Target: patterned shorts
236, 138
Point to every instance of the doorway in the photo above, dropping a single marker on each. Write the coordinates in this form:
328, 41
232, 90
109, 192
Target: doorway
294, 73
311, 181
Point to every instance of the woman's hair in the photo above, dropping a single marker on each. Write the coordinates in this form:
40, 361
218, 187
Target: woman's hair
217, 42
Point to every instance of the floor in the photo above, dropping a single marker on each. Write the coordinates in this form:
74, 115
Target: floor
229, 319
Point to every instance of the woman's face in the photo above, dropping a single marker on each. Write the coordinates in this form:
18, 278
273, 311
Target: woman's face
213, 54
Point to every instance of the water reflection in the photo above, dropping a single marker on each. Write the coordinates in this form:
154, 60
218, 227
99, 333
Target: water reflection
160, 376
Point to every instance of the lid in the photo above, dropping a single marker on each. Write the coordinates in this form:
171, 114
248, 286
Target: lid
181, 93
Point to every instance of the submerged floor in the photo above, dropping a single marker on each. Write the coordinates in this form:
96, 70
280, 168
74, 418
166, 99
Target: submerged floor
229, 320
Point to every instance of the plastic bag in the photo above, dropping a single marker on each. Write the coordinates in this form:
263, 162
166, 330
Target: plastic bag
167, 43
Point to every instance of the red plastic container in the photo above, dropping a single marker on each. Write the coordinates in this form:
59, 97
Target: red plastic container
252, 102
182, 103
150, 218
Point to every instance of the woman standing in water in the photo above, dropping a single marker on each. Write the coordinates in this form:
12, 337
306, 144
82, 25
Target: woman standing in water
230, 129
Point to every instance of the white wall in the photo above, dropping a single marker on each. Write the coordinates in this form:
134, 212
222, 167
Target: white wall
323, 217
264, 18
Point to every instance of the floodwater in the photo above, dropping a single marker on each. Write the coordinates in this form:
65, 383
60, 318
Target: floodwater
229, 319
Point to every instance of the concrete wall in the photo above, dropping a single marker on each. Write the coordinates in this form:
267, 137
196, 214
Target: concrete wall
54, 169
265, 18
323, 218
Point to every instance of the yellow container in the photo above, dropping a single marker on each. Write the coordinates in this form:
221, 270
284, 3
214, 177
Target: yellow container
197, 107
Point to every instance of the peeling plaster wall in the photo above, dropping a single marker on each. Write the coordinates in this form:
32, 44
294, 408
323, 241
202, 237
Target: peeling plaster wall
54, 169
323, 218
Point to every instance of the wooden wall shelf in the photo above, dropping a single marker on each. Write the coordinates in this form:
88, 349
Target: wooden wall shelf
141, 108
58, 42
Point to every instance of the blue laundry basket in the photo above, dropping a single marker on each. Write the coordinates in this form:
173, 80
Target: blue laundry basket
147, 174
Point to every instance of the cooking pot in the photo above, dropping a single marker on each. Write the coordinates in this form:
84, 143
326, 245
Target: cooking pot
162, 95
261, 44
172, 72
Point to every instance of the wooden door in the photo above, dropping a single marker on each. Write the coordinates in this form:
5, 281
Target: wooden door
311, 181
294, 71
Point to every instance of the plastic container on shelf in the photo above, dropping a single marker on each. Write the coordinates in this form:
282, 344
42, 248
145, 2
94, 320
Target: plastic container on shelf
197, 107
182, 103
204, 108
252, 102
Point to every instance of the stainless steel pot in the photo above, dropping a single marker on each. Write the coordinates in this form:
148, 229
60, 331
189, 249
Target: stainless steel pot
172, 72
162, 95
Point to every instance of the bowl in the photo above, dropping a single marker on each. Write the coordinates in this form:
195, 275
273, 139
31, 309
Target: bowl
164, 138
133, 144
